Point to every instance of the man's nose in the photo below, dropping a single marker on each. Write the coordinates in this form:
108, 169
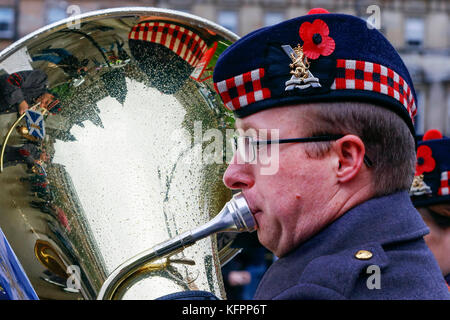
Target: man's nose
238, 176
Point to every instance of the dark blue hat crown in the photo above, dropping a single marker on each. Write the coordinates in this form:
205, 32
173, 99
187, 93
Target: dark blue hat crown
314, 58
431, 182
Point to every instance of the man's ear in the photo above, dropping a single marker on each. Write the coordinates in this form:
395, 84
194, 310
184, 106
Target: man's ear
350, 152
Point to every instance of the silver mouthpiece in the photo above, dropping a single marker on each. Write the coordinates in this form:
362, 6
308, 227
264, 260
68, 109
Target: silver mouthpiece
234, 217
242, 216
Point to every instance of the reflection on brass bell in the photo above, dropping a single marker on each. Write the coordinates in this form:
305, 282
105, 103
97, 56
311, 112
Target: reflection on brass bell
23, 130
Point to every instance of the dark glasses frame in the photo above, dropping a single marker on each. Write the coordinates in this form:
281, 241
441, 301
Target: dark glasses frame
331, 137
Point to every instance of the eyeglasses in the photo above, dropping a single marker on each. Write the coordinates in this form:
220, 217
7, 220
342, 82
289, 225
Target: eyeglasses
247, 146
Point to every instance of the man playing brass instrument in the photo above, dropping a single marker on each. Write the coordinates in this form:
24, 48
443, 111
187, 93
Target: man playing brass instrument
336, 211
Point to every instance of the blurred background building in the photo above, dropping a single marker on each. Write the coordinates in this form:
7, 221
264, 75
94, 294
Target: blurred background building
418, 29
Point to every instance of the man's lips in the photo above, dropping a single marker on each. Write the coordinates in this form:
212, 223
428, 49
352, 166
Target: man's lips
253, 209
256, 215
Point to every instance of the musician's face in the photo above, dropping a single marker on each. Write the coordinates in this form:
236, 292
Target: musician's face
287, 204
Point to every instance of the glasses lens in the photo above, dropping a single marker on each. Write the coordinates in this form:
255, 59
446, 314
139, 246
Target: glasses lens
245, 148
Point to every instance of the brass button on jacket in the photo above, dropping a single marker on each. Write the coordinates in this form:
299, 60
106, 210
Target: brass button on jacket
363, 255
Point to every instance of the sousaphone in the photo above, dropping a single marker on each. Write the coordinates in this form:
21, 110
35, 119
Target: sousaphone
133, 155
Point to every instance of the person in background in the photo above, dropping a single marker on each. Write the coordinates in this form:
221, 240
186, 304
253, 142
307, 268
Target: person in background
62, 58
243, 273
20, 90
28, 154
430, 194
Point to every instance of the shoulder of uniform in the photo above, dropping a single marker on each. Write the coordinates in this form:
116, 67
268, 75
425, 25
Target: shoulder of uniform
342, 271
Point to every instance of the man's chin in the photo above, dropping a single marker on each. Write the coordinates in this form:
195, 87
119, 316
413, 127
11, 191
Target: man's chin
267, 243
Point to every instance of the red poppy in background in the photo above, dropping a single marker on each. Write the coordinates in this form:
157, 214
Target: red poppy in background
425, 161
316, 41
432, 134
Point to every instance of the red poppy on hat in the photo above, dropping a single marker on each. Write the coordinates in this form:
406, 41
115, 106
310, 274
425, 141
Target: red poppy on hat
318, 11
316, 41
425, 161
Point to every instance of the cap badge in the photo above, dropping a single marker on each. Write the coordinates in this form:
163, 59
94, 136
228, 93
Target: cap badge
301, 77
419, 187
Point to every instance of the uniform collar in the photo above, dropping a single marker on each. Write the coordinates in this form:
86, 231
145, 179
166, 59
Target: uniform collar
382, 220
386, 219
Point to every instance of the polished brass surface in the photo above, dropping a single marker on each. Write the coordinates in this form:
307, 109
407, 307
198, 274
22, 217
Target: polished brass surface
49, 258
5, 140
124, 164
23, 131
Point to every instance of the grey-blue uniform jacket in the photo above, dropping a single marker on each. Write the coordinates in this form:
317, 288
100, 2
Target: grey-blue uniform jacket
20, 86
330, 265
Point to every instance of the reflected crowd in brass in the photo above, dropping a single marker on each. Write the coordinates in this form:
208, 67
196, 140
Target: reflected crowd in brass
113, 181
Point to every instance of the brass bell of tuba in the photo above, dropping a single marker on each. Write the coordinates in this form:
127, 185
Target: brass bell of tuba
129, 151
